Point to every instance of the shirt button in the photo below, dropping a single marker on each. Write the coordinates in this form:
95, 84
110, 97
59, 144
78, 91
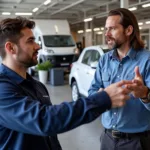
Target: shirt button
113, 126
115, 113
118, 76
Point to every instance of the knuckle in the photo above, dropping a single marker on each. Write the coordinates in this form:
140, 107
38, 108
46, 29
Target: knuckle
122, 103
123, 97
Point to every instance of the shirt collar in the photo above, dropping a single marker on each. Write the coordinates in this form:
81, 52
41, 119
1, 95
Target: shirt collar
131, 54
11, 74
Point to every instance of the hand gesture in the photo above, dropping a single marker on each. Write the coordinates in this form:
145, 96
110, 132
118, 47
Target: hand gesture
118, 93
139, 90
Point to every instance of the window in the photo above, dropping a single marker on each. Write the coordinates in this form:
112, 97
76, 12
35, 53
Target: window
87, 57
95, 56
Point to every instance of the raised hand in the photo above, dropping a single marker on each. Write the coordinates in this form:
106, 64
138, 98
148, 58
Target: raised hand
139, 90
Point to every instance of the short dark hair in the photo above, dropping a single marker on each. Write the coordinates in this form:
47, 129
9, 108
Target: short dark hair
10, 30
128, 18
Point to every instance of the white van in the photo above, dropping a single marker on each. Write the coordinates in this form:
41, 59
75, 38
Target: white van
56, 41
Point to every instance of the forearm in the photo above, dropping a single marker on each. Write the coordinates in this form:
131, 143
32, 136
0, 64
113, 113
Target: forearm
32, 117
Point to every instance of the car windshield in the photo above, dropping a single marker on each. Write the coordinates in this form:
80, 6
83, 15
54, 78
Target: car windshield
58, 41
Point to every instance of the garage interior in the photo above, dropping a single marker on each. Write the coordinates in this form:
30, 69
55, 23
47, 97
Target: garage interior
76, 11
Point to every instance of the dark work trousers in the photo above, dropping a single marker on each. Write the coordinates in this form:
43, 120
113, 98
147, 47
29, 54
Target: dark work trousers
135, 143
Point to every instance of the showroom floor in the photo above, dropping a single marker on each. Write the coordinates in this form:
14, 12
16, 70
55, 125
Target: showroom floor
85, 137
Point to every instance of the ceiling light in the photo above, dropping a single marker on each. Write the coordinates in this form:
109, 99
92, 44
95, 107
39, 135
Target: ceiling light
47, 2
147, 22
99, 32
56, 28
35, 9
23, 14
133, 8
102, 28
6, 13
96, 29
140, 28
80, 31
88, 30
140, 23
146, 5
88, 19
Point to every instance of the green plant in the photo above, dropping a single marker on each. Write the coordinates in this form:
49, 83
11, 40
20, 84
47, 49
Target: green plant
44, 66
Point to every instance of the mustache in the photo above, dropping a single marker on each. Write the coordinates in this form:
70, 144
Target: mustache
109, 38
35, 53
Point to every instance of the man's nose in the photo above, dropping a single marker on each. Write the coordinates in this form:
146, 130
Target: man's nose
107, 33
37, 46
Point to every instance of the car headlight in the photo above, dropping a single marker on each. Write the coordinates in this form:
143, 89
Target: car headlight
76, 51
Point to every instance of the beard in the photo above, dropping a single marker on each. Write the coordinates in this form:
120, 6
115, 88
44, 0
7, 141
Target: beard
115, 44
25, 59
27, 62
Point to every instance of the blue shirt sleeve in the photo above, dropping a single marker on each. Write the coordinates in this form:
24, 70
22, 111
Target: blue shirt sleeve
146, 78
24, 114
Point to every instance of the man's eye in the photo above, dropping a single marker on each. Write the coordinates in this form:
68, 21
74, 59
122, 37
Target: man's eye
113, 28
31, 41
106, 30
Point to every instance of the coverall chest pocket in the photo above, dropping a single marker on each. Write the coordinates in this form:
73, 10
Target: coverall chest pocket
105, 79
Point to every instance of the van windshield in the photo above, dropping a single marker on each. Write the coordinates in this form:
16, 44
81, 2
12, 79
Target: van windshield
58, 41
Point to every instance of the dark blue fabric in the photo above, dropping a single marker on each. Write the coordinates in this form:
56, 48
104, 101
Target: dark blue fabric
27, 118
139, 142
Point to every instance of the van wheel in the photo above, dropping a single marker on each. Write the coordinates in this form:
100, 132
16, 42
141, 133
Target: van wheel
75, 91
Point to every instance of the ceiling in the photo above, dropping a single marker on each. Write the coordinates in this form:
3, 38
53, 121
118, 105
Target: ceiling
73, 11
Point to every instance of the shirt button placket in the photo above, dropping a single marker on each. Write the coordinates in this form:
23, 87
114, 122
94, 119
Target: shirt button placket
115, 120
119, 71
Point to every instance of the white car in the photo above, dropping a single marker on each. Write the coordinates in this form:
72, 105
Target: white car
0, 60
83, 70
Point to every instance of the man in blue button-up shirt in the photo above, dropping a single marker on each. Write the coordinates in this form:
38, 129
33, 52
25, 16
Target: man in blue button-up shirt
126, 128
28, 121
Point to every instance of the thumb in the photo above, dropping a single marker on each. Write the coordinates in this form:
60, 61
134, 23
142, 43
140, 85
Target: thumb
138, 76
137, 73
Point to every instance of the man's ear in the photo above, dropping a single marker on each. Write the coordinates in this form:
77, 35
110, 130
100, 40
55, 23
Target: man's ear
129, 30
9, 47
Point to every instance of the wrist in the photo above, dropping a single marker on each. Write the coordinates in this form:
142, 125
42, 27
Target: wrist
146, 97
145, 101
